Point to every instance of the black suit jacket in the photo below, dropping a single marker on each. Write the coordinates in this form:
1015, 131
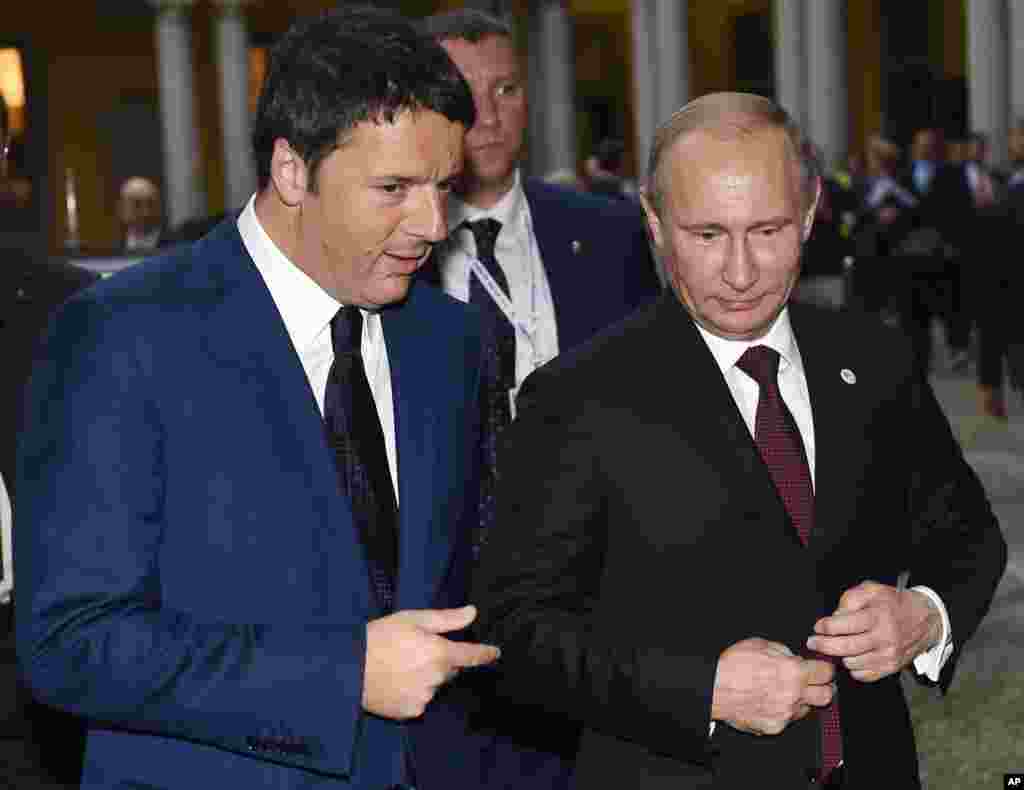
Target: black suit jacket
641, 535
30, 291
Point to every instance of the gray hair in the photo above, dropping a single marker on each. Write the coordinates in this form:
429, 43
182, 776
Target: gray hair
739, 114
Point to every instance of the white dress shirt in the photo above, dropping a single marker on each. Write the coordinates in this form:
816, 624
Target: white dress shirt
518, 256
307, 310
6, 544
793, 388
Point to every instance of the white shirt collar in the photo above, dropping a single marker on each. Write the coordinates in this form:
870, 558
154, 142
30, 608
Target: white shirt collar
507, 211
779, 337
305, 307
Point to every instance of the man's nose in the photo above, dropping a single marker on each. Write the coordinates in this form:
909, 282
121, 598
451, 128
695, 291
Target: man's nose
431, 218
486, 109
740, 271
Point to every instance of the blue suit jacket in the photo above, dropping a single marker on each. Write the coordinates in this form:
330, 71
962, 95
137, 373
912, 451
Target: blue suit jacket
595, 254
190, 578
596, 257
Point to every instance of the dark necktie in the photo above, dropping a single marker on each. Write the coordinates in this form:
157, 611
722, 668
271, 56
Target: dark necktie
355, 435
499, 368
778, 441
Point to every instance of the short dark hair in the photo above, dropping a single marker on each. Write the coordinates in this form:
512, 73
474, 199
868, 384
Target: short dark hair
346, 66
468, 24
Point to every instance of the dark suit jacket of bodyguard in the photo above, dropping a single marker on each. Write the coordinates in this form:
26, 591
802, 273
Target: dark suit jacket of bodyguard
642, 535
595, 254
189, 574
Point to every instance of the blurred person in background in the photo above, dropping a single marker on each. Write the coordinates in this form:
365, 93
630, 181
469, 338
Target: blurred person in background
886, 215
140, 213
997, 283
942, 236
604, 170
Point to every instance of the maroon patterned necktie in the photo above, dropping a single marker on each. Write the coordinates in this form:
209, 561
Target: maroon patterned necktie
778, 440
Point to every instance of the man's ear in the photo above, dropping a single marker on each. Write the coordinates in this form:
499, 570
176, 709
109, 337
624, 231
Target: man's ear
812, 210
651, 216
288, 173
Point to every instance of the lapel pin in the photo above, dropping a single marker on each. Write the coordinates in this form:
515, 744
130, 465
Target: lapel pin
848, 376
576, 247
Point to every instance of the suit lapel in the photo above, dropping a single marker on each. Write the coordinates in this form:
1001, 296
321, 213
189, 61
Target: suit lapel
420, 396
837, 400
243, 331
709, 421
555, 239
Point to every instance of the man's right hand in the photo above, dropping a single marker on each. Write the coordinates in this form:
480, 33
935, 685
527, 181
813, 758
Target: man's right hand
407, 659
760, 686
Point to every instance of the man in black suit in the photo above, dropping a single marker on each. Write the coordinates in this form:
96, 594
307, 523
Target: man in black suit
30, 291
705, 570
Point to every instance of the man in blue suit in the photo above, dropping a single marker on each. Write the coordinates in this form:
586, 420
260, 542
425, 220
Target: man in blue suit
210, 570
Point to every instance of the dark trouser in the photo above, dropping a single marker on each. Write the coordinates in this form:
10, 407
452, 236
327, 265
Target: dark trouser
995, 321
924, 292
958, 311
39, 747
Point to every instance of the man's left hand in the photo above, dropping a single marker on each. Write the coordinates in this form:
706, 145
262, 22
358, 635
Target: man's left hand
877, 630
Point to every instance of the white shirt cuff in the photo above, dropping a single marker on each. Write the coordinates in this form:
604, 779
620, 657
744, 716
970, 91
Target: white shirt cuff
931, 662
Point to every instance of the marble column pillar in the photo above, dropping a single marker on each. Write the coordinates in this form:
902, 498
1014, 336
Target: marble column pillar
672, 45
988, 88
552, 81
661, 67
827, 101
232, 42
184, 197
790, 58
645, 108
1016, 62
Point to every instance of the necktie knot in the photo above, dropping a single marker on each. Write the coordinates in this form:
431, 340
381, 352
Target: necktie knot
347, 331
761, 363
485, 233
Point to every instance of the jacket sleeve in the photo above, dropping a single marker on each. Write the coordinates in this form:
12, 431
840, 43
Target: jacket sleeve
958, 549
93, 633
539, 578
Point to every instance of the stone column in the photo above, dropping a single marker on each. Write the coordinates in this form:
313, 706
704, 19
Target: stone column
1016, 62
790, 58
184, 197
553, 103
233, 70
645, 106
827, 103
988, 89
672, 45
